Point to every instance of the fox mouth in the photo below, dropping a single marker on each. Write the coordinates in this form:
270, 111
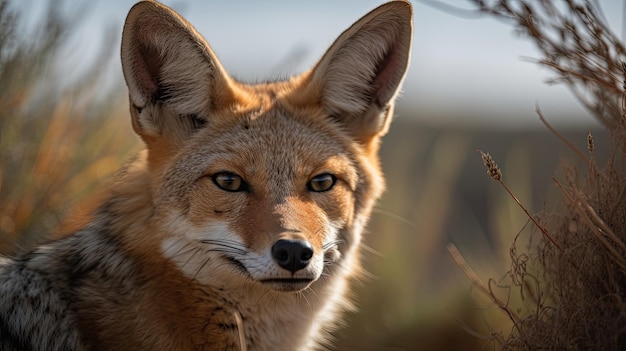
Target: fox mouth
279, 284
288, 284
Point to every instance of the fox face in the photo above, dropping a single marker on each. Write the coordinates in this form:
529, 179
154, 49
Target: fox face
270, 207
266, 185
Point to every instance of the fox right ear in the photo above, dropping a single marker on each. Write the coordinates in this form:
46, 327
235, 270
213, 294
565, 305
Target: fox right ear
167, 63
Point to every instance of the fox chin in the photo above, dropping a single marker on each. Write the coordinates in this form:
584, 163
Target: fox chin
239, 226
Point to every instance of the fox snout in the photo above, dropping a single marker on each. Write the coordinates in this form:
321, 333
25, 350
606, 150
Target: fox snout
292, 255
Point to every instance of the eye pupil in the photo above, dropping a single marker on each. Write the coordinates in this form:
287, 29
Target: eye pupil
229, 181
322, 182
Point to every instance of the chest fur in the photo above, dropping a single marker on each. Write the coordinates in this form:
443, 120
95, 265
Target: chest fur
179, 315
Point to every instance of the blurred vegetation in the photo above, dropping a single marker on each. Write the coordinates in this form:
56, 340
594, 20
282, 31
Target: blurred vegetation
58, 139
57, 145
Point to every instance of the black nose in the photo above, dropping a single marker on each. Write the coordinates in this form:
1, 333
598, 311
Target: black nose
292, 255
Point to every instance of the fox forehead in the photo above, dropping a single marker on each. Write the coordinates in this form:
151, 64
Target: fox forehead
269, 147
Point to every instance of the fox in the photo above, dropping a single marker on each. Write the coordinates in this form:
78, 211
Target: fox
239, 226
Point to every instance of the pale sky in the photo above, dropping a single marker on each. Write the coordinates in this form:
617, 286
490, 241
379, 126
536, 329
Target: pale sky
458, 64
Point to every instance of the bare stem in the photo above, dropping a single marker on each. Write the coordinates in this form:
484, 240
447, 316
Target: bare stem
473, 277
543, 230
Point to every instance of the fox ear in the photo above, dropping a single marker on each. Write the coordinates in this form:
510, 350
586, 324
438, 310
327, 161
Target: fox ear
173, 77
359, 76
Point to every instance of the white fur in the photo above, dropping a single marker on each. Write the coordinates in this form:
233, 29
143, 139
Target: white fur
197, 260
283, 314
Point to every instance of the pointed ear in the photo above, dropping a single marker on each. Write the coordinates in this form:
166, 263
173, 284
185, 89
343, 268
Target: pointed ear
173, 76
359, 76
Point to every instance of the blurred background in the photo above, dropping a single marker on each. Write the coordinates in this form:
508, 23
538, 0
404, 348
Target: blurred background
64, 129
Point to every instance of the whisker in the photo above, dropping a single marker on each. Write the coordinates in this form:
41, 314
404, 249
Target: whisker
201, 267
332, 244
267, 294
372, 250
223, 242
224, 250
395, 216
186, 252
234, 246
174, 242
314, 295
190, 257
180, 251
302, 296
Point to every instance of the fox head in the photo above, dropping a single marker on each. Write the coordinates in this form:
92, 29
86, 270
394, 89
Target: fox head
268, 183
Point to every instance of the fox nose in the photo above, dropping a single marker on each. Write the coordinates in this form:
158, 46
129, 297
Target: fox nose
292, 255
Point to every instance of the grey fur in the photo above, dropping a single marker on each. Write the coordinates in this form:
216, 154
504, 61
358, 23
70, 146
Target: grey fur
41, 291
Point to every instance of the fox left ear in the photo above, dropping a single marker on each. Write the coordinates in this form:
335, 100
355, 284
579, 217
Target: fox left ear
359, 76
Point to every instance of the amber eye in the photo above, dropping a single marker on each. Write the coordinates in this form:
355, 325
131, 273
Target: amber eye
322, 182
229, 181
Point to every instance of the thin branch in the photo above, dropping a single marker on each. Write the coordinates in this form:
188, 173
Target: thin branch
473, 277
559, 135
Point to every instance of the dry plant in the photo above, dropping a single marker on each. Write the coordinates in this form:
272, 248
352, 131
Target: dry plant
576, 44
56, 143
572, 281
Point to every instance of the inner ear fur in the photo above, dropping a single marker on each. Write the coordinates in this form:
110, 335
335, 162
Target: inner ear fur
167, 65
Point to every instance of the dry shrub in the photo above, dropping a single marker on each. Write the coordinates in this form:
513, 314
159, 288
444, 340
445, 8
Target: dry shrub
572, 280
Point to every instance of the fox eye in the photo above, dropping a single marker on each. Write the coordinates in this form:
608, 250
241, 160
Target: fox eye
229, 181
322, 182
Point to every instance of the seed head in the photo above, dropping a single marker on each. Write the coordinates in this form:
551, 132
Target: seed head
590, 143
492, 168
